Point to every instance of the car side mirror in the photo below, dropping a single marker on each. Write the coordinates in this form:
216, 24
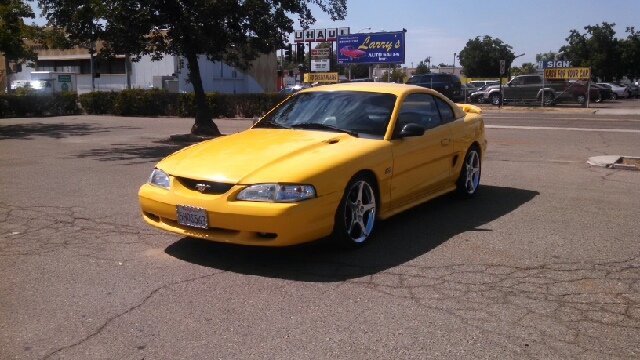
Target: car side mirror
411, 129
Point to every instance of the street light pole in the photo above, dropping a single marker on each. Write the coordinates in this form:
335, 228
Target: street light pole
453, 70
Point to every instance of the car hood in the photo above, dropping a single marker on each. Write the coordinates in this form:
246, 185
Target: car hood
267, 155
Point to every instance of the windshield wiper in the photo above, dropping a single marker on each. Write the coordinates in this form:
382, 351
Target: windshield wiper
323, 127
269, 124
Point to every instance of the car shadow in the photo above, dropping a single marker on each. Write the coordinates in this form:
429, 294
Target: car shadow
398, 240
56, 131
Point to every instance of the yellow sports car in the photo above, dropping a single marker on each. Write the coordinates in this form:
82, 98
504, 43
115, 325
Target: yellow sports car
330, 160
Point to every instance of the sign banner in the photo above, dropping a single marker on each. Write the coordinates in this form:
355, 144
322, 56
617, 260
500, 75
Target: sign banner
329, 77
320, 65
567, 73
554, 64
320, 53
374, 48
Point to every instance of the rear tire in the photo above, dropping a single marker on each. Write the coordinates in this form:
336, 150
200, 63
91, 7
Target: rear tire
469, 180
614, 96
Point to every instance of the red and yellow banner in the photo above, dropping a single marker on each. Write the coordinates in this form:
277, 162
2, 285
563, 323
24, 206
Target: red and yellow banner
330, 77
567, 73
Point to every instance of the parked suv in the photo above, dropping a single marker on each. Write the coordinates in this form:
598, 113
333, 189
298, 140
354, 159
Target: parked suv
528, 88
446, 84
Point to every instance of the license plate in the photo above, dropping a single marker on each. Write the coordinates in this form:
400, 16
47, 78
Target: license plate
192, 216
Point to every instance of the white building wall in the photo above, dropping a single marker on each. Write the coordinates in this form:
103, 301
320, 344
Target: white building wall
103, 83
216, 76
143, 71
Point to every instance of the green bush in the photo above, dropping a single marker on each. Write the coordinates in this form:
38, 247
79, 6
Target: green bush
138, 102
230, 105
98, 102
31, 104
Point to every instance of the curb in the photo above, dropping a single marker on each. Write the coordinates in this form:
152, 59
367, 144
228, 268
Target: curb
615, 162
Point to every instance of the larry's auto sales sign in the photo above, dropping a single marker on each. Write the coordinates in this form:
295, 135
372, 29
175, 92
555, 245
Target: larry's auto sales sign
373, 48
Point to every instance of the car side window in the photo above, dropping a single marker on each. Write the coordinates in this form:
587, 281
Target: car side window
531, 80
420, 109
446, 113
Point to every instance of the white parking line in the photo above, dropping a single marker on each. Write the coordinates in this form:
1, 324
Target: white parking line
560, 128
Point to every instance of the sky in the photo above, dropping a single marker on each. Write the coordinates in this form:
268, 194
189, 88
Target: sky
441, 28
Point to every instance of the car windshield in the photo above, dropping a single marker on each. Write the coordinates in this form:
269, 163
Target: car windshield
360, 113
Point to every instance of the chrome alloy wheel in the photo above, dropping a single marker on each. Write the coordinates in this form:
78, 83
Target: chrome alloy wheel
360, 211
472, 165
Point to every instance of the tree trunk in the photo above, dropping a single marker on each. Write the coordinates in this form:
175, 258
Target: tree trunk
6, 74
204, 124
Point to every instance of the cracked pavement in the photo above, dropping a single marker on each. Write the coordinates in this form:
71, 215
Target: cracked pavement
543, 263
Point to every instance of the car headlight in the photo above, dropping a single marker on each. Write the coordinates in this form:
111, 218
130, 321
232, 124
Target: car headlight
277, 193
159, 178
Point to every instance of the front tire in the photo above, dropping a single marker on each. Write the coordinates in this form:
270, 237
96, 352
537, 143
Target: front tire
614, 96
469, 180
356, 213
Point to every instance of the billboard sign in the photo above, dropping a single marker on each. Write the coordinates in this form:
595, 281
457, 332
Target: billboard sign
374, 48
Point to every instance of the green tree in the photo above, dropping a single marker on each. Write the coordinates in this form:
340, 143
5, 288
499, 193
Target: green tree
630, 53
423, 66
525, 69
358, 71
598, 49
234, 32
481, 57
546, 56
397, 76
12, 32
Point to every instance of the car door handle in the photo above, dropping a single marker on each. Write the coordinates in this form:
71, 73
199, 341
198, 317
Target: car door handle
445, 142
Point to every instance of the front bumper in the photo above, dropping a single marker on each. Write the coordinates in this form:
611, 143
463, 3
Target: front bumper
240, 222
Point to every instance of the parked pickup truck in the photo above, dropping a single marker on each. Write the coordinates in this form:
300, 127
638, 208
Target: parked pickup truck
529, 88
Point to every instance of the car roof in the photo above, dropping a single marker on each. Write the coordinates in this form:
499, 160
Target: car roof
389, 88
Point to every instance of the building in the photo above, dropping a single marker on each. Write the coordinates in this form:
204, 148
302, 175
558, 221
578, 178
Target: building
145, 74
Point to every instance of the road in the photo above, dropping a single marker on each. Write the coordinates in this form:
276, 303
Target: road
543, 263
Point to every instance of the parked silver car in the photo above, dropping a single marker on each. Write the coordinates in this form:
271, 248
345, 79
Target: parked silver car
618, 91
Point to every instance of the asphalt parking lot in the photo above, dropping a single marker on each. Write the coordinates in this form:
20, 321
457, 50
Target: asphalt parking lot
543, 263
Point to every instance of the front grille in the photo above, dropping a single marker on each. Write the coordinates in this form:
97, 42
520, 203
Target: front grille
210, 187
